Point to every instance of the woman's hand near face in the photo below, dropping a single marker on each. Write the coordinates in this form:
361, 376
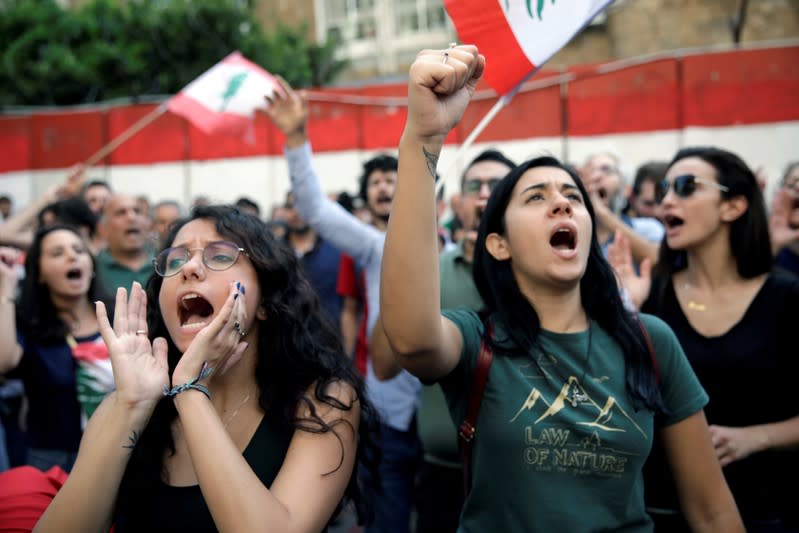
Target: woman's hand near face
621, 259
439, 89
140, 368
218, 344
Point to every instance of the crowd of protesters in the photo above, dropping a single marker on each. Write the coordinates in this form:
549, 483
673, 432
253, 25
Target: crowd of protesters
308, 369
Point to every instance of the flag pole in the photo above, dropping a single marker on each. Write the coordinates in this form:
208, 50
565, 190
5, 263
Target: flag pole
125, 135
503, 101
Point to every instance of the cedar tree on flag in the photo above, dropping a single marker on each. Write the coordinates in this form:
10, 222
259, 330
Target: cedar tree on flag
224, 98
518, 36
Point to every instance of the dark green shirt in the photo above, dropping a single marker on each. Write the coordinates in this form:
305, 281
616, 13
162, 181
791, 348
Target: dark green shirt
559, 444
114, 275
457, 284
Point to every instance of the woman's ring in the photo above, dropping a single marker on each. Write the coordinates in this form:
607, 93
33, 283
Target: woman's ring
141, 332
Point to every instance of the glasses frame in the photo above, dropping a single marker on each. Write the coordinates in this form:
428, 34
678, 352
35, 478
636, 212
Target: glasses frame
190, 252
679, 185
491, 183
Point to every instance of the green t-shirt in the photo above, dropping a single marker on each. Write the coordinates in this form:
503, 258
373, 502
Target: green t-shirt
114, 275
559, 445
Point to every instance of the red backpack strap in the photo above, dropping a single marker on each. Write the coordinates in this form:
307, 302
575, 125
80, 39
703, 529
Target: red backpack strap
469, 426
651, 348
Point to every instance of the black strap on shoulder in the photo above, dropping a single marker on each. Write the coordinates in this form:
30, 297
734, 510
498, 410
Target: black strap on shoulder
468, 427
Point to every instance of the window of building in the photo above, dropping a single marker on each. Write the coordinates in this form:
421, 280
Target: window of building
350, 19
413, 16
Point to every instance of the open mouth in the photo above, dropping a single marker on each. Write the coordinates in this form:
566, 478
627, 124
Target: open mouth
563, 239
603, 193
672, 222
194, 311
74, 274
132, 231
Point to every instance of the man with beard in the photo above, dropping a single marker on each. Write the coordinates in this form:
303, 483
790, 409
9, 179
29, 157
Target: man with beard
319, 260
396, 399
126, 258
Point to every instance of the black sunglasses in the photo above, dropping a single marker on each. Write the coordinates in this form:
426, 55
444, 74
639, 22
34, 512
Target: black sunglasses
684, 186
473, 186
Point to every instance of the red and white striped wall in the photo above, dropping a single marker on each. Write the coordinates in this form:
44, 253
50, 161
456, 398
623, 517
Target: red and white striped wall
746, 101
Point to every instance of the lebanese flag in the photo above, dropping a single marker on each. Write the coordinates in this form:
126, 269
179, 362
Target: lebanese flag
224, 98
518, 36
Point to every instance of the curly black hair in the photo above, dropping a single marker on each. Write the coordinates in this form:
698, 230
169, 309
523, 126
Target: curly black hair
298, 348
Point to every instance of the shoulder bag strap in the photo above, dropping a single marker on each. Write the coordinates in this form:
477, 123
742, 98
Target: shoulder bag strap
469, 426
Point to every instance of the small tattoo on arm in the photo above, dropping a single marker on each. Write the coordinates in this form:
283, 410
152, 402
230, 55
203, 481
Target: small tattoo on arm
432, 161
134, 439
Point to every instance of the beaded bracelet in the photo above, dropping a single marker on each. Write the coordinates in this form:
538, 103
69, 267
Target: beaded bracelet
204, 372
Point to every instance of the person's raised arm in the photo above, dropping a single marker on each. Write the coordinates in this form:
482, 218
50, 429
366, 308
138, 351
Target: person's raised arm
440, 86
10, 350
86, 501
18, 230
288, 110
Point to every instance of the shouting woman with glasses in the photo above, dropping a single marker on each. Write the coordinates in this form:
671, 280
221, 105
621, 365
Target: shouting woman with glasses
235, 408
736, 322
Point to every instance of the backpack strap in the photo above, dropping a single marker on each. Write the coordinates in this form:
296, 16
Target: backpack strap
651, 348
468, 427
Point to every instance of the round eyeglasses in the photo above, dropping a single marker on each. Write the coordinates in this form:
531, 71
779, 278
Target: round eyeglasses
219, 255
684, 186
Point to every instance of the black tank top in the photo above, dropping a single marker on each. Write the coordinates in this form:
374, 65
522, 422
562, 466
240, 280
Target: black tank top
175, 509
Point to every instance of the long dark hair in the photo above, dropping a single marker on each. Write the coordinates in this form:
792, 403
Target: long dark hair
297, 348
749, 236
37, 317
505, 303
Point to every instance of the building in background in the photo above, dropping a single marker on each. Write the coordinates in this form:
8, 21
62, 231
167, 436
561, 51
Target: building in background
380, 38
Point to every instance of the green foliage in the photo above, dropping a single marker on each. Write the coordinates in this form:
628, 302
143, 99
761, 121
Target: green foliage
110, 48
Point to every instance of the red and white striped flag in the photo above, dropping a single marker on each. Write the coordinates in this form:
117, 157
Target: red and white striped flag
224, 98
518, 36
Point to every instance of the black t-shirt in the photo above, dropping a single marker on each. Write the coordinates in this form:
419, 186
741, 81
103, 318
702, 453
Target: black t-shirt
168, 508
750, 373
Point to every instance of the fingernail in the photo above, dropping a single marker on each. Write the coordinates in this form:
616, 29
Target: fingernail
242, 290
235, 296
238, 286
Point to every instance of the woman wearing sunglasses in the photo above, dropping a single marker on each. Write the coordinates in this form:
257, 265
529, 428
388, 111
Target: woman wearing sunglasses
736, 322
567, 413
235, 408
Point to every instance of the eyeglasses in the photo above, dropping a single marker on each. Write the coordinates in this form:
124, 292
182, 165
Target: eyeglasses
219, 255
474, 186
607, 169
684, 186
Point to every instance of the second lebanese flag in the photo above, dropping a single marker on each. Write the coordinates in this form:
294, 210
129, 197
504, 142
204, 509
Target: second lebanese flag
518, 36
224, 98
